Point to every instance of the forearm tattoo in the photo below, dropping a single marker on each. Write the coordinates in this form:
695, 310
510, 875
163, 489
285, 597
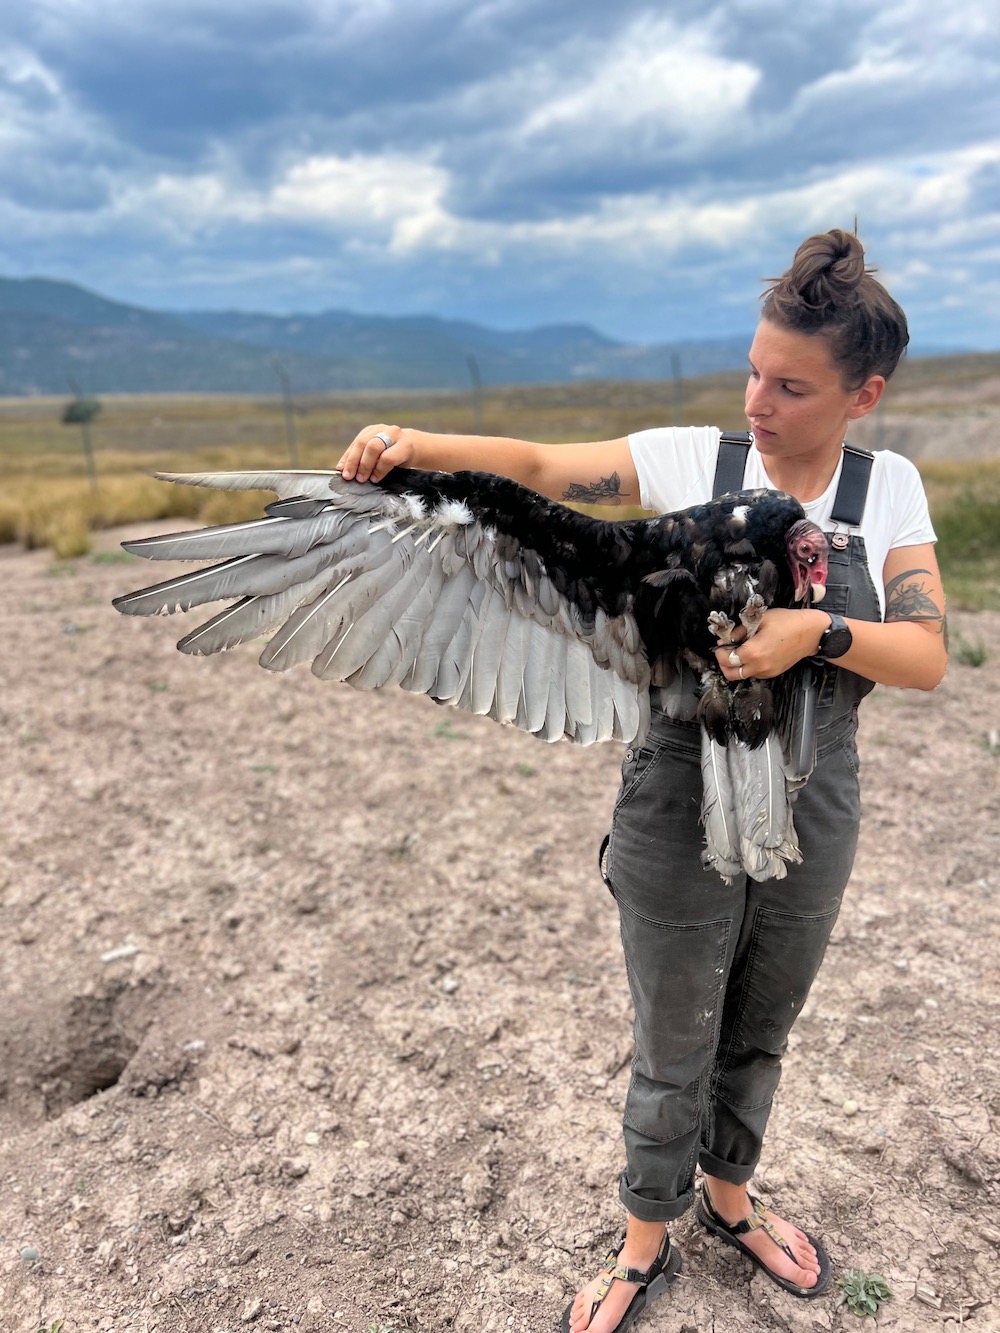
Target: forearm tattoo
607, 491
906, 598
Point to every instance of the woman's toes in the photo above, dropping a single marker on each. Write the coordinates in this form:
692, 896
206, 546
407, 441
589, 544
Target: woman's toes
804, 1253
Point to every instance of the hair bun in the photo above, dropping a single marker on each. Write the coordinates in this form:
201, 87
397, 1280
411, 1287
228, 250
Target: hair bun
827, 268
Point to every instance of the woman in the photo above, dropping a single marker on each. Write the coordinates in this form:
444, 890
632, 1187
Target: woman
718, 972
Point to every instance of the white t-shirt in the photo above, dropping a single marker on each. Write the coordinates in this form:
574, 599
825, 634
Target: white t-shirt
676, 469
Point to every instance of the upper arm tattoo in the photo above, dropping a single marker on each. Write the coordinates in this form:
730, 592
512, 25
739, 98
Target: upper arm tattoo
606, 491
906, 598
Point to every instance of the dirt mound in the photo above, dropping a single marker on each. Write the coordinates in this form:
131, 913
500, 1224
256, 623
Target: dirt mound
314, 1014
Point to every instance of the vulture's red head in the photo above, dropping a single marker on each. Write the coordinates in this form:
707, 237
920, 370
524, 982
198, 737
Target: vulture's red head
808, 557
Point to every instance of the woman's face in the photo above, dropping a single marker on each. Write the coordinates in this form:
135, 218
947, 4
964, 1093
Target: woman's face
796, 402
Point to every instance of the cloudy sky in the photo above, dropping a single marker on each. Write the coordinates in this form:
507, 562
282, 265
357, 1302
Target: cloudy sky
635, 166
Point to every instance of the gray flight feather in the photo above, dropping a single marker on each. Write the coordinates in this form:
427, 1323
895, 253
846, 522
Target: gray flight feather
535, 686
287, 484
440, 628
555, 707
186, 590
276, 535
384, 642
510, 677
252, 618
367, 605
493, 625
577, 687
631, 716
456, 658
246, 575
718, 811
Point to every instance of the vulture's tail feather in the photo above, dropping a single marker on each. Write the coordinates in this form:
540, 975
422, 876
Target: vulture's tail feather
718, 811
763, 809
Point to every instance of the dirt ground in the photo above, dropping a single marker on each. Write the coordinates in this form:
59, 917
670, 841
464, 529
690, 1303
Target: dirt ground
314, 1015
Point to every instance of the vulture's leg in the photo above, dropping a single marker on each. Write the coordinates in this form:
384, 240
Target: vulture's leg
752, 614
721, 625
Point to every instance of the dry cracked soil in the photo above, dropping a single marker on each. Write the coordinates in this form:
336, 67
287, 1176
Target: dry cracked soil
314, 1014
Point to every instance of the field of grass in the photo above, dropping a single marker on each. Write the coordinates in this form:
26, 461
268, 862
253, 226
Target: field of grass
49, 499
965, 507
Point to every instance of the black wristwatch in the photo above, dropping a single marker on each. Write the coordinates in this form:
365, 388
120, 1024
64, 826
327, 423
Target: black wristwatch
836, 639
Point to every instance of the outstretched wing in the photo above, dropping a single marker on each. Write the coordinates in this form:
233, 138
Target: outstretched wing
465, 587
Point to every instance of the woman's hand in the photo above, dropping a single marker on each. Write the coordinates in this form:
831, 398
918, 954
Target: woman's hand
369, 458
784, 638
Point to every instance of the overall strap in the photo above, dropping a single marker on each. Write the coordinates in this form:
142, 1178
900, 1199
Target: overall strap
734, 445
852, 490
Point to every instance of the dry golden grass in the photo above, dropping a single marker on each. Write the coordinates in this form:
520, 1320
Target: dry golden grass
965, 505
47, 498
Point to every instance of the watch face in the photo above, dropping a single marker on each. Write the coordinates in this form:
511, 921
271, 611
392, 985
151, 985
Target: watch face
837, 639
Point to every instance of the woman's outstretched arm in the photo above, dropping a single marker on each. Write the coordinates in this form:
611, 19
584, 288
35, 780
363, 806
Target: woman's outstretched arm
601, 472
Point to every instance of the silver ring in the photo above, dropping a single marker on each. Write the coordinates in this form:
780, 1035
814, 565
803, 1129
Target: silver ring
381, 435
741, 674
734, 658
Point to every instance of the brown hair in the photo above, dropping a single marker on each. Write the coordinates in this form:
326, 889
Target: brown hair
829, 291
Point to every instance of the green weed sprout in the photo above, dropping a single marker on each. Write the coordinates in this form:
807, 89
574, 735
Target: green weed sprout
863, 1292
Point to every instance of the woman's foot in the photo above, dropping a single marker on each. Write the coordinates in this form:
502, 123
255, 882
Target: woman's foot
643, 1244
800, 1267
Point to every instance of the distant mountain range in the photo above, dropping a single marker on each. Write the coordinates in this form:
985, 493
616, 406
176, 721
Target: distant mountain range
54, 333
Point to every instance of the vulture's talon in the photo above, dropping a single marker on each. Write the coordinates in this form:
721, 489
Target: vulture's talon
722, 626
753, 613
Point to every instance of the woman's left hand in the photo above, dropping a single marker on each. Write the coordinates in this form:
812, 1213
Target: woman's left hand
784, 638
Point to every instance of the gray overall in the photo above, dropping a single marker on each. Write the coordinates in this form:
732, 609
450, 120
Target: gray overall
718, 972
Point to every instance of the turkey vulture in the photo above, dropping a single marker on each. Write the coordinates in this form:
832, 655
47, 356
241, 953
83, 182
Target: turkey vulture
476, 591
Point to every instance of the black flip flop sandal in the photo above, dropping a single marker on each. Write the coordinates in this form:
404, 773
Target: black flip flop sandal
652, 1282
730, 1235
